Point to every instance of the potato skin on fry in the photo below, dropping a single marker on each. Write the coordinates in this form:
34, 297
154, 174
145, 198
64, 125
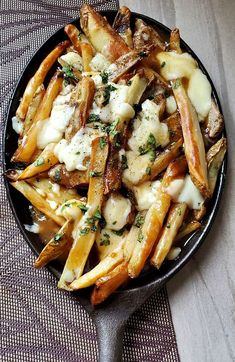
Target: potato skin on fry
69, 179
73, 34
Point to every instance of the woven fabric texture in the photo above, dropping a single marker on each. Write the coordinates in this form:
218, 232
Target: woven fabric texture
38, 322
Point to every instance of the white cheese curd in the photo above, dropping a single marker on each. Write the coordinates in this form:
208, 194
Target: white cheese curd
184, 190
171, 105
146, 194
199, 92
175, 65
74, 153
99, 63
116, 211
149, 124
173, 253
112, 68
65, 95
34, 228
17, 125
53, 205
70, 210
72, 59
137, 166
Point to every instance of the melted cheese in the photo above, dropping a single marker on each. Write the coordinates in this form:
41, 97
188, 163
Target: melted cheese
99, 63
116, 211
137, 166
34, 228
173, 253
72, 59
175, 65
184, 190
70, 210
149, 124
75, 153
146, 194
171, 105
199, 92
17, 125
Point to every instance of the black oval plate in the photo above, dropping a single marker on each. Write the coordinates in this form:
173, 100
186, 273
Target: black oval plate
20, 206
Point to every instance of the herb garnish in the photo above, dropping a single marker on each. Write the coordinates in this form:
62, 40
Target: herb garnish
118, 232
140, 236
106, 240
129, 82
143, 54
57, 237
177, 84
103, 142
124, 162
112, 128
148, 171
83, 208
68, 74
168, 225
40, 161
84, 231
57, 176
107, 90
139, 220
93, 118
163, 64
150, 147
105, 76
95, 173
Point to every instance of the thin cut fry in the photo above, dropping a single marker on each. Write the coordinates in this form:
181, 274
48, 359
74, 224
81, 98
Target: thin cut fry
37, 201
87, 55
38, 78
33, 107
215, 157
170, 229
187, 229
122, 25
87, 95
74, 35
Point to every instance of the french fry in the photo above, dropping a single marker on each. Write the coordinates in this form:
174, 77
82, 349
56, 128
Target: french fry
101, 35
122, 25
38, 78
37, 201
145, 35
44, 162
56, 246
87, 55
87, 95
174, 221
84, 236
33, 107
74, 35
175, 41
106, 285
69, 179
187, 229
215, 157
193, 141
28, 146
138, 85
215, 122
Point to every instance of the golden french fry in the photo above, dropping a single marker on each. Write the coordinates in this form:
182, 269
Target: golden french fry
85, 231
174, 221
33, 107
37, 201
87, 95
106, 285
74, 35
56, 246
175, 41
87, 55
215, 122
38, 78
28, 146
138, 85
187, 229
44, 162
215, 157
101, 35
193, 141
122, 25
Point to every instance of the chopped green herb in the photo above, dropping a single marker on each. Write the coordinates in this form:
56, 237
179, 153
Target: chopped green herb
179, 212
98, 215
107, 90
79, 35
103, 142
57, 237
148, 171
177, 84
95, 174
90, 220
93, 118
140, 236
106, 240
114, 223
139, 220
84, 231
129, 82
68, 74
78, 153
168, 225
83, 208
150, 147
105, 76
112, 128
143, 54
57, 176
40, 161
118, 232
124, 162
163, 64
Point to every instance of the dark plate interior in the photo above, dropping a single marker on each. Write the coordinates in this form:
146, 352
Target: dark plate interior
20, 206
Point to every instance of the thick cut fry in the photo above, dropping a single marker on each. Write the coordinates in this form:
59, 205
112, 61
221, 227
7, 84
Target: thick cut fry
44, 162
138, 85
37, 201
145, 35
174, 127
101, 269
84, 235
122, 25
174, 221
87, 55
187, 229
74, 35
193, 141
215, 122
106, 285
87, 95
215, 157
56, 246
175, 41
33, 107
101, 35
28, 146
38, 78
69, 179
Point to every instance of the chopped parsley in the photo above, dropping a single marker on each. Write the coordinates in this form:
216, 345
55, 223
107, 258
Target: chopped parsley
98, 215
40, 161
95, 174
105, 76
112, 128
168, 225
118, 232
143, 54
177, 84
57, 176
140, 237
93, 118
163, 64
106, 240
107, 90
84, 231
68, 74
179, 212
57, 237
124, 162
148, 171
139, 220
83, 208
103, 142
129, 82
79, 35
150, 147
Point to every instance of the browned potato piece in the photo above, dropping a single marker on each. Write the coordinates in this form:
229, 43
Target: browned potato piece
33, 107
106, 285
193, 141
175, 41
215, 157
215, 122
56, 246
38, 78
122, 25
70, 179
73, 34
101, 35
87, 55
173, 223
145, 34
28, 146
